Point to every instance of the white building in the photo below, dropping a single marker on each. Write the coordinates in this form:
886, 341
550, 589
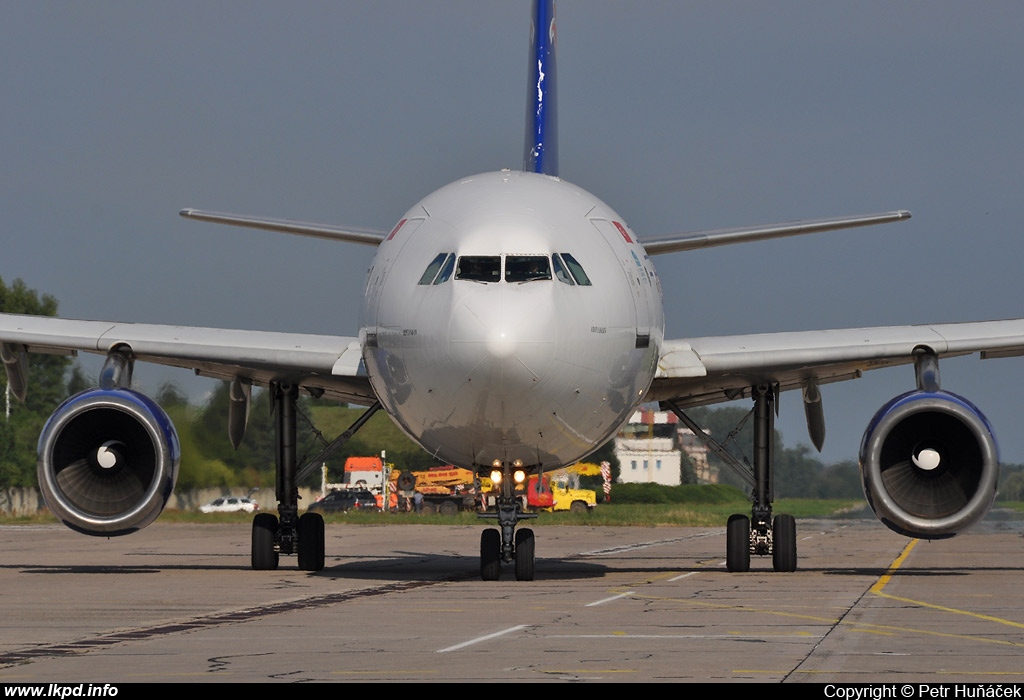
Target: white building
650, 448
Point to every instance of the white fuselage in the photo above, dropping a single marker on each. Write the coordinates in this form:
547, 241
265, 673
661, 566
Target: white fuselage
534, 341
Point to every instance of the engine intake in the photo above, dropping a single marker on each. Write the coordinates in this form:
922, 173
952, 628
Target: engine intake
930, 464
108, 461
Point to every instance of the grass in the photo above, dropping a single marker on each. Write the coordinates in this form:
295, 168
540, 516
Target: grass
1017, 506
645, 505
636, 514
41, 518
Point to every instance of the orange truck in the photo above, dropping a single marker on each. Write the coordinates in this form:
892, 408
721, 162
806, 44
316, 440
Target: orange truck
364, 472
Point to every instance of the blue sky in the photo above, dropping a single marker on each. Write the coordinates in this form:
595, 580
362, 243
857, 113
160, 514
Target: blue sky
681, 116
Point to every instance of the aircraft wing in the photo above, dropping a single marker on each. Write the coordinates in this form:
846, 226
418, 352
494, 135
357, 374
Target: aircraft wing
317, 362
700, 371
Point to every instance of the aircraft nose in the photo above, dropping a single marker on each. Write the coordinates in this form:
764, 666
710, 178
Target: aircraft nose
500, 340
503, 335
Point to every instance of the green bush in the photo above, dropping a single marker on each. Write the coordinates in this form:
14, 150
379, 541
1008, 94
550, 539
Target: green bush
684, 494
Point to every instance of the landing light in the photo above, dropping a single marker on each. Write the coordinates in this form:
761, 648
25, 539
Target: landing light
519, 476
496, 477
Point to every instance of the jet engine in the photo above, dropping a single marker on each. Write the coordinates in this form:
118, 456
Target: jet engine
930, 464
108, 461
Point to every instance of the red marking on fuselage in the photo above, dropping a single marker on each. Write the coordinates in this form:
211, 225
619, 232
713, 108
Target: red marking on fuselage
399, 225
622, 230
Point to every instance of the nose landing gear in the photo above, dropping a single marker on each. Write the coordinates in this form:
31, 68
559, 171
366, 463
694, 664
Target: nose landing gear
505, 544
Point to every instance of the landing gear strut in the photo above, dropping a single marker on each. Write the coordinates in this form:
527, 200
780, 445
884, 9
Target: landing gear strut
287, 533
759, 534
499, 545
272, 535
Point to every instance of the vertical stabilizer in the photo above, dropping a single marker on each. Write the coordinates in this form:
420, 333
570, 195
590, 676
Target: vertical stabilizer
541, 152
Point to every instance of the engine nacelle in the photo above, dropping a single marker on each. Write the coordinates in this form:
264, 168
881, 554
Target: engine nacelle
108, 461
930, 464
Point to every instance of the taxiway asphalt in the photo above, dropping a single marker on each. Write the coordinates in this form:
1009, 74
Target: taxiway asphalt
403, 603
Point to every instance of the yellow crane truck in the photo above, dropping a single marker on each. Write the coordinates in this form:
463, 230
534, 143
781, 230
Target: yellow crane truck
445, 490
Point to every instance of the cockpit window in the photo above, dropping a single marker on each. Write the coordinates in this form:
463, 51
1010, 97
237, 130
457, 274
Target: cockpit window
479, 268
526, 268
446, 270
561, 274
576, 269
432, 268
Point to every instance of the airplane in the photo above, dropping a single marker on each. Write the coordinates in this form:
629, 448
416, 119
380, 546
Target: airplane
511, 323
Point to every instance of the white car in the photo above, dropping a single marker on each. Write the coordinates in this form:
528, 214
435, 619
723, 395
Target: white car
230, 505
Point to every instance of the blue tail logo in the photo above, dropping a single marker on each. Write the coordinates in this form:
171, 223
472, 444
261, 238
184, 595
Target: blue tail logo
541, 152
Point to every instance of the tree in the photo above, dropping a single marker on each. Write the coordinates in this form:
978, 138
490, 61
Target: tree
1012, 487
254, 462
255, 456
77, 381
798, 472
687, 473
732, 428
19, 431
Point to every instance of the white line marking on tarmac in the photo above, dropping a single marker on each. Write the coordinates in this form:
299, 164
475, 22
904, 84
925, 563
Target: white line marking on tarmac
643, 545
608, 600
481, 639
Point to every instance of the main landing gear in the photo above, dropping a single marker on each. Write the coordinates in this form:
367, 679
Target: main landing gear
287, 532
499, 545
759, 534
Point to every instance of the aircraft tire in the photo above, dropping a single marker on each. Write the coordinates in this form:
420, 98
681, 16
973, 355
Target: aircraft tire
526, 545
737, 545
311, 542
264, 531
490, 555
784, 543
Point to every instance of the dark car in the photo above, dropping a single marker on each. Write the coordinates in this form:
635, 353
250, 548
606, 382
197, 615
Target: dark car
338, 501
